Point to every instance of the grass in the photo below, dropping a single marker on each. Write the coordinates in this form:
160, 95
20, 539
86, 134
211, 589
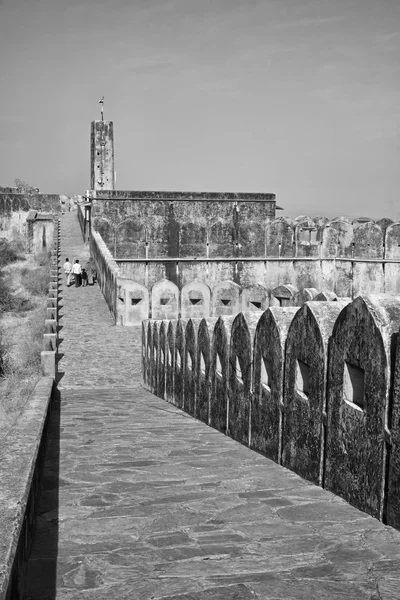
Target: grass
24, 282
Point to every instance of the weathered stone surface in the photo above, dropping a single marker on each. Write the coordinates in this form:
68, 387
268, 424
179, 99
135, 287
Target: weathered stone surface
305, 236
203, 359
358, 395
162, 359
191, 368
268, 372
285, 295
179, 374
170, 362
254, 298
219, 374
164, 300
195, 300
133, 302
306, 357
225, 299
239, 376
280, 238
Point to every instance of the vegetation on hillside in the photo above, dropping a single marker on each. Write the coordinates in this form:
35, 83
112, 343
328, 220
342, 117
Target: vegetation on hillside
24, 281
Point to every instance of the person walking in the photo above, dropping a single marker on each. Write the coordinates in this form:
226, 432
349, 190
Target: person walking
77, 270
84, 277
67, 270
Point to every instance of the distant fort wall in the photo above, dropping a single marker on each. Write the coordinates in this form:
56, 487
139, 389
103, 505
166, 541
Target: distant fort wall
29, 217
194, 255
316, 389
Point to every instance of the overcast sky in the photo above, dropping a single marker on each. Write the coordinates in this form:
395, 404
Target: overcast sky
296, 97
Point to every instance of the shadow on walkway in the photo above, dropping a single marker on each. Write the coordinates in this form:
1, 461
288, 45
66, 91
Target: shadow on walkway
41, 575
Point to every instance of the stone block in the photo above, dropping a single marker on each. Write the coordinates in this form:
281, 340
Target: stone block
239, 376
155, 352
254, 298
149, 355
203, 360
305, 235
280, 238
136, 302
179, 374
326, 297
225, 299
50, 342
145, 325
51, 302
162, 359
368, 241
305, 295
304, 389
48, 362
51, 313
164, 300
190, 372
360, 365
219, 373
285, 295
170, 362
50, 326
268, 378
337, 239
195, 300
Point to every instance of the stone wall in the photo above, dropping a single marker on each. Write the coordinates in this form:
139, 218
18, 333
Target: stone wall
15, 208
316, 389
262, 261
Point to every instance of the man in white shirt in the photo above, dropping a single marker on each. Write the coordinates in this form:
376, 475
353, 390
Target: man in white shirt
77, 270
67, 270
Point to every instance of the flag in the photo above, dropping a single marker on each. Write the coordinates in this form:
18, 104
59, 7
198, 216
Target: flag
102, 100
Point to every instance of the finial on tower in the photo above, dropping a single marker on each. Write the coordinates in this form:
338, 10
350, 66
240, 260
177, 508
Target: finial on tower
101, 101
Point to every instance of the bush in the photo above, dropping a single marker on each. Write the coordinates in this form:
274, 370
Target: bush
36, 281
9, 253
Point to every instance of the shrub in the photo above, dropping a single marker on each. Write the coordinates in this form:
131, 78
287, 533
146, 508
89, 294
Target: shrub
36, 281
8, 253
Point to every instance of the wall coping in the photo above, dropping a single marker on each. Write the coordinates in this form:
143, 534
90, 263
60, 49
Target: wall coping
18, 456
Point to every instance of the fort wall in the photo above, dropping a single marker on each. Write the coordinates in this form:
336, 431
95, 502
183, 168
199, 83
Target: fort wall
315, 389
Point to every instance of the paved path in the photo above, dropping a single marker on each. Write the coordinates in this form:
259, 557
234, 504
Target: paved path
142, 502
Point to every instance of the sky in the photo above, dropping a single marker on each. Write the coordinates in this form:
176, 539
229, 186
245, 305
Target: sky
300, 98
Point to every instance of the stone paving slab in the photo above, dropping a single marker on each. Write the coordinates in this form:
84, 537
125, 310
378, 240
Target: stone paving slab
153, 504
140, 501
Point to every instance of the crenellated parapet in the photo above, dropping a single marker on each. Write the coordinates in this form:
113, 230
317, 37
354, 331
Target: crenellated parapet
314, 388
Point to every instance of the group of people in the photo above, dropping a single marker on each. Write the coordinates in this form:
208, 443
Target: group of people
82, 276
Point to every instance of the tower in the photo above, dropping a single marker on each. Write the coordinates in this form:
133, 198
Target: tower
102, 156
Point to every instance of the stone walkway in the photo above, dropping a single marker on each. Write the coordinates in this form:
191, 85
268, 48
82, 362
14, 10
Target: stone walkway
142, 502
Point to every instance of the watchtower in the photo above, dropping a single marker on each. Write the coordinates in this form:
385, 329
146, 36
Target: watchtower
102, 175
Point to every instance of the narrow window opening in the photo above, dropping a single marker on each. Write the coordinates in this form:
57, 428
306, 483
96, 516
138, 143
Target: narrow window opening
226, 301
239, 375
353, 386
164, 301
196, 301
266, 373
218, 366
121, 299
202, 363
302, 377
135, 301
256, 305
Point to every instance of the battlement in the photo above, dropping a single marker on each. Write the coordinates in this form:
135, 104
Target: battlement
315, 389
